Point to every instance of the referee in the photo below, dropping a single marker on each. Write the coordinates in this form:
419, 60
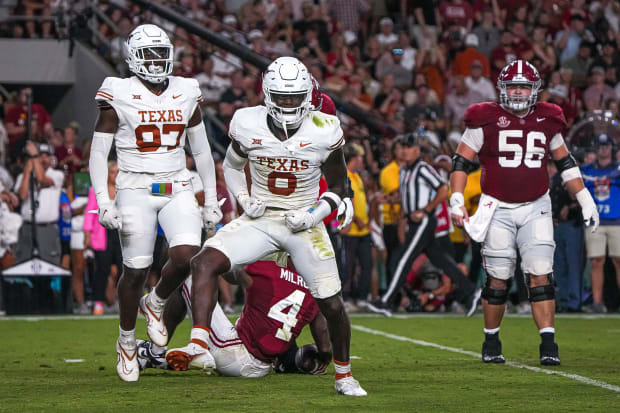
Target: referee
421, 191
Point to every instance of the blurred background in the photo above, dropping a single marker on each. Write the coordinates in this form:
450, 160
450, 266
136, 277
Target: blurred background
393, 68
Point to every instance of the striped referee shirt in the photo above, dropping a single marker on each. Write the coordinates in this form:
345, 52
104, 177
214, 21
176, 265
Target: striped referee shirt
418, 185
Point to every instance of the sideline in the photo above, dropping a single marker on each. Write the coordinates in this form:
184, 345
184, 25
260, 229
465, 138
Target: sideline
571, 376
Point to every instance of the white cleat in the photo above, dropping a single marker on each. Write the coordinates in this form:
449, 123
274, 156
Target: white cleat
190, 356
156, 328
127, 362
349, 387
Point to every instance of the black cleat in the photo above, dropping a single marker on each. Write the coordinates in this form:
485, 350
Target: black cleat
149, 360
380, 307
492, 351
549, 354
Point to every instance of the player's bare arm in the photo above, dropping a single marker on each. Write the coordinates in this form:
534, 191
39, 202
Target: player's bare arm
320, 333
458, 179
571, 176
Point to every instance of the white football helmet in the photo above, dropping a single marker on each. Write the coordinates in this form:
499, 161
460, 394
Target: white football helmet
287, 86
149, 53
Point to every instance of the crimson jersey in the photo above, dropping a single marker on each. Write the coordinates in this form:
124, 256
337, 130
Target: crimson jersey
513, 152
278, 307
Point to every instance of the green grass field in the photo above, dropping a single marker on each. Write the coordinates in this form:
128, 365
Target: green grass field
390, 360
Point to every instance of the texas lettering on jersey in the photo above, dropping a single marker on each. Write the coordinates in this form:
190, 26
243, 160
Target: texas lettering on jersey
151, 130
514, 152
285, 174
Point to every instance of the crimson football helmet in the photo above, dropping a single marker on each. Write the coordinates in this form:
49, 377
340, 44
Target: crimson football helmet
519, 72
317, 96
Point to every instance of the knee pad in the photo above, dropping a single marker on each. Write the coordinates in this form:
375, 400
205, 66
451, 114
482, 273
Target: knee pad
494, 296
138, 263
542, 293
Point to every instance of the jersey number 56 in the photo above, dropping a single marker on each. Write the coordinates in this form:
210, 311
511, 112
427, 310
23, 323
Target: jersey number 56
533, 154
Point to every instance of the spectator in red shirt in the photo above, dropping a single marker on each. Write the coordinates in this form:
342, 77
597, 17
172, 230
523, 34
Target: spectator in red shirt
522, 46
68, 155
456, 13
502, 54
16, 119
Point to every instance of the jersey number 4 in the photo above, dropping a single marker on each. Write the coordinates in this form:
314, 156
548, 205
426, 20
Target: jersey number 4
533, 154
153, 130
288, 320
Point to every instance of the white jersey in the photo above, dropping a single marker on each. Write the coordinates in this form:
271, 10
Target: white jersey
151, 128
285, 174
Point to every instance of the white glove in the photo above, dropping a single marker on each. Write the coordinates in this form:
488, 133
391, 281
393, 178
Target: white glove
211, 215
456, 202
253, 207
588, 208
110, 216
346, 212
298, 220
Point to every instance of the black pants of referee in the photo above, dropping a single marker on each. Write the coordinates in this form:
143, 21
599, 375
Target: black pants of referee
421, 239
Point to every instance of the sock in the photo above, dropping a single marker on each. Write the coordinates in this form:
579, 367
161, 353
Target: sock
200, 336
491, 334
343, 369
157, 303
157, 351
127, 338
547, 335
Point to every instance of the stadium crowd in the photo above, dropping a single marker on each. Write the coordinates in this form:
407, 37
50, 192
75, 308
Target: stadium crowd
414, 65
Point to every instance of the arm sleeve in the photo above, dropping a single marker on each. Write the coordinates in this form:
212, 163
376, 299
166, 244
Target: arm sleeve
98, 165
197, 137
556, 142
474, 138
234, 174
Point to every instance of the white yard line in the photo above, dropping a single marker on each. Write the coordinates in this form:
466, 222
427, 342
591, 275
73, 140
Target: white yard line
571, 376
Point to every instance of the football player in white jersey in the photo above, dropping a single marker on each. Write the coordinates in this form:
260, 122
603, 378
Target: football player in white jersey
148, 116
288, 147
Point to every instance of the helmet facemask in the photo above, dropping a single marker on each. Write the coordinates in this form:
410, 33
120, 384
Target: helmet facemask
288, 108
518, 102
152, 63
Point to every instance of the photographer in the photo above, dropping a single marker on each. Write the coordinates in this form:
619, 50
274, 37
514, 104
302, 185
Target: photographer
48, 186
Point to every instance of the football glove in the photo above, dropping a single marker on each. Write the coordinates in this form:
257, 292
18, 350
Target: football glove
298, 220
253, 207
588, 209
211, 215
110, 216
345, 212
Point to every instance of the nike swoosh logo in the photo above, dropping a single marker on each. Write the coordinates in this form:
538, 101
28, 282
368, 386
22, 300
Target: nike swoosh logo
174, 97
540, 119
184, 184
301, 145
543, 212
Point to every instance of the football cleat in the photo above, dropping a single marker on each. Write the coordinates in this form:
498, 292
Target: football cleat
192, 355
127, 362
472, 302
156, 328
492, 351
147, 359
349, 387
549, 354
379, 307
